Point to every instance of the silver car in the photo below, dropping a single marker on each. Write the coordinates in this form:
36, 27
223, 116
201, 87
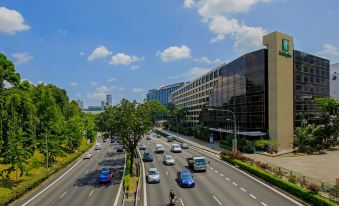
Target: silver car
153, 175
168, 160
87, 155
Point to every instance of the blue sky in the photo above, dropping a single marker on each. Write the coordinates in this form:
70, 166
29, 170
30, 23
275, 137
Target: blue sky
125, 47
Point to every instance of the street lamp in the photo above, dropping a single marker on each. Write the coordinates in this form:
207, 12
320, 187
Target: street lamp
234, 141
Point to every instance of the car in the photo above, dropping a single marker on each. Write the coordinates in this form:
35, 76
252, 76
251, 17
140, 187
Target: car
149, 137
170, 139
158, 136
112, 140
105, 176
120, 148
160, 148
87, 155
142, 146
147, 157
184, 145
97, 147
153, 175
104, 140
175, 148
168, 160
185, 179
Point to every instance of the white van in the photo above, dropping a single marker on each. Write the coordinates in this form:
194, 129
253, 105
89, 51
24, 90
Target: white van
97, 147
175, 148
160, 148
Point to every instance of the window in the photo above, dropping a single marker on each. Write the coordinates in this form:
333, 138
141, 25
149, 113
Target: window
334, 78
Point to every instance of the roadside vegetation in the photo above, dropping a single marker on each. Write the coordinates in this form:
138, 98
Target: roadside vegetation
41, 131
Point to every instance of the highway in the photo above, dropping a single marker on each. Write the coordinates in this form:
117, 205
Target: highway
77, 184
220, 185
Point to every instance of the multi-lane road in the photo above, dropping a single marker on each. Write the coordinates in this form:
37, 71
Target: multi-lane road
77, 185
222, 184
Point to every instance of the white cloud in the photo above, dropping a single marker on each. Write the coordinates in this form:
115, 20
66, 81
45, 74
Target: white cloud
206, 60
217, 15
99, 52
62, 32
124, 59
93, 83
73, 84
82, 53
138, 90
112, 79
175, 53
11, 21
22, 58
122, 88
191, 74
100, 92
329, 50
135, 67
189, 3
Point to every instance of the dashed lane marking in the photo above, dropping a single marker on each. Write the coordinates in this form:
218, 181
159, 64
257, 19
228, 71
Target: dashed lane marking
254, 197
166, 173
242, 189
91, 193
234, 183
216, 171
263, 203
217, 200
221, 175
182, 202
228, 179
63, 194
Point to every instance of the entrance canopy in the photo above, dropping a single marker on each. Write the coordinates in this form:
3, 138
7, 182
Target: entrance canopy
251, 134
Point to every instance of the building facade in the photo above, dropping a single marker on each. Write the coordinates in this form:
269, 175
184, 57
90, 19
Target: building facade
163, 94
334, 81
269, 91
109, 100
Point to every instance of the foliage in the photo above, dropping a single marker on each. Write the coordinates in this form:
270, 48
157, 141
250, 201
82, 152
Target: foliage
313, 188
327, 104
200, 131
292, 188
129, 121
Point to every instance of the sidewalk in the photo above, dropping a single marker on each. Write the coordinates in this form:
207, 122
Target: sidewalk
322, 167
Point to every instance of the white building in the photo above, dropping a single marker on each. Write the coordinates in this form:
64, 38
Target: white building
334, 81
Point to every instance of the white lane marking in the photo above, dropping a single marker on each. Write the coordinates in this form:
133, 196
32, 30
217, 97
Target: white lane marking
234, 183
91, 193
166, 172
54, 181
144, 181
216, 171
211, 168
182, 202
221, 175
120, 187
242, 189
254, 197
228, 179
217, 200
263, 203
86, 171
253, 178
63, 194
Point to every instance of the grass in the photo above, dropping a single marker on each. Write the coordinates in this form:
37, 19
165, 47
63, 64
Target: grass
12, 187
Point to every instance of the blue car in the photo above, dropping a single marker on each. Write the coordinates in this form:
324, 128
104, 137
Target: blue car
185, 179
106, 176
149, 137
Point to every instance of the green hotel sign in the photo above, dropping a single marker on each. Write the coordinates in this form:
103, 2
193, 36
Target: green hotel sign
285, 47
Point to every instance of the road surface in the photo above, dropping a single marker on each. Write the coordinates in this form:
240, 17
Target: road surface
220, 185
77, 184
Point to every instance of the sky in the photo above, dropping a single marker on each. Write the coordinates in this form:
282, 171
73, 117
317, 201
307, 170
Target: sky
126, 47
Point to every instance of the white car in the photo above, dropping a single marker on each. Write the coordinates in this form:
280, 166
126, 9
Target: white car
87, 155
169, 160
153, 175
97, 147
175, 148
160, 148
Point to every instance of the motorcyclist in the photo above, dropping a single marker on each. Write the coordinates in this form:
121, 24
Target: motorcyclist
172, 197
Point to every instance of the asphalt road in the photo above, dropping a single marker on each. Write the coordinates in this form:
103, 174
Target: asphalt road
77, 184
220, 185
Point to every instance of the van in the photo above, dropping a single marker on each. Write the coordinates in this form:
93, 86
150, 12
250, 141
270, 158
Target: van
160, 148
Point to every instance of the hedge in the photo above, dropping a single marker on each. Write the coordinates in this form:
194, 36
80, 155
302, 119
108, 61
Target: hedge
36, 180
294, 189
225, 146
161, 133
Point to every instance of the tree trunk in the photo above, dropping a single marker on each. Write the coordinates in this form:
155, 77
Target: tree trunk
131, 165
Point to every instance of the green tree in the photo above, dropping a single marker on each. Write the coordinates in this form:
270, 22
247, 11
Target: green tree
327, 105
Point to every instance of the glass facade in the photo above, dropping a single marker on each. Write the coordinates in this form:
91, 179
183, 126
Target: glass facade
164, 93
241, 88
311, 80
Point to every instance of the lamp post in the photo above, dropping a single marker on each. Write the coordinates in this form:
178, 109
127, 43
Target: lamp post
234, 142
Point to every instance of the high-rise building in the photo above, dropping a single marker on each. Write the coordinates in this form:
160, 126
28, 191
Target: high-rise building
80, 104
270, 91
334, 81
109, 100
103, 105
163, 94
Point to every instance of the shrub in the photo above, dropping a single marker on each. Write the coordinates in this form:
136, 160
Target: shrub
313, 188
292, 178
292, 188
264, 166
